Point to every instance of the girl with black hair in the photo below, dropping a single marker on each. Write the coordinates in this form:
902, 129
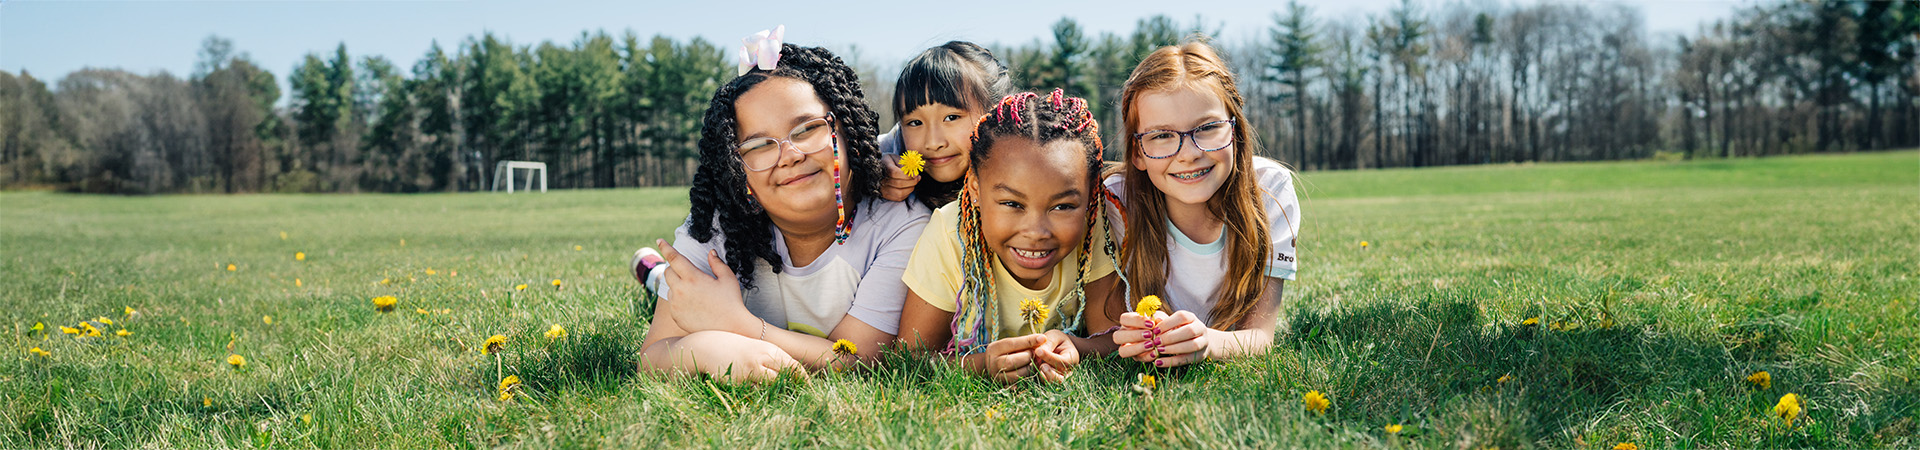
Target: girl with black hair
1017, 276
788, 248
940, 95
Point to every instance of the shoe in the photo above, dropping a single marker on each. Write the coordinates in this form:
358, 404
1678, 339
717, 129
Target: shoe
644, 261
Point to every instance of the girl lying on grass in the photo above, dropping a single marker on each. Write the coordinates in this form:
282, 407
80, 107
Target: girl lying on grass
1208, 226
940, 95
788, 247
1013, 275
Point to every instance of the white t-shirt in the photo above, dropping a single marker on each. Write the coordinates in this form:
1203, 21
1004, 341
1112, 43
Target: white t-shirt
860, 277
1202, 268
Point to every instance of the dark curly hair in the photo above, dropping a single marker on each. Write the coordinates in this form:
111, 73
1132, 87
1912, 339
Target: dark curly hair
720, 202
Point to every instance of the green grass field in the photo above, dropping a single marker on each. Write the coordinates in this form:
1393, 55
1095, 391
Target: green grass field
1659, 287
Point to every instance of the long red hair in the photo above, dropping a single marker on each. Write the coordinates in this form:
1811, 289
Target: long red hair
1195, 65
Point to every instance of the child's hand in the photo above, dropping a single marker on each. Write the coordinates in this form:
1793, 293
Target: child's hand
1179, 339
1137, 336
1008, 360
702, 302
1056, 357
898, 185
737, 358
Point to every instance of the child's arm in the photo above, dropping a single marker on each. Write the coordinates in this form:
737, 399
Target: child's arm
713, 303
668, 348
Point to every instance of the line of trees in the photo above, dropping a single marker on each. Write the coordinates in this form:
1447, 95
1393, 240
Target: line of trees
1465, 84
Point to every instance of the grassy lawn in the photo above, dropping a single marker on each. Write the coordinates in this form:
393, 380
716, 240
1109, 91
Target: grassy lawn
1659, 288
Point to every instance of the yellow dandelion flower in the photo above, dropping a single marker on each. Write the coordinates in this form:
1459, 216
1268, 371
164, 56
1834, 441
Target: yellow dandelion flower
1788, 408
1762, 379
845, 347
505, 396
299, 256
103, 320
1315, 402
267, 319
430, 271
1148, 382
1034, 312
39, 326
306, 419
1626, 446
36, 351
123, 333
509, 382
993, 414
385, 281
556, 283
913, 163
206, 402
521, 287
1504, 379
1531, 321
1147, 305
69, 330
1393, 429
297, 283
231, 268
494, 344
576, 248
556, 332
1363, 244
237, 361
130, 311
385, 303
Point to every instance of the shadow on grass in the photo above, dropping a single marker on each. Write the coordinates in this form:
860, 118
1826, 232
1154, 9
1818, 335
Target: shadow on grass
1432, 362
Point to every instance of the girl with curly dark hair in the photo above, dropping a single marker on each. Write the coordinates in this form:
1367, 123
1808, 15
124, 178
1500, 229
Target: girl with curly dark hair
788, 248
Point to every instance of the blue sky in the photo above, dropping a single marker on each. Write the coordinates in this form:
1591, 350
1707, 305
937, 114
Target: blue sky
52, 38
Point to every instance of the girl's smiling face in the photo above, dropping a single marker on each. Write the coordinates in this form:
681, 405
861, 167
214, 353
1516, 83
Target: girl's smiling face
1190, 176
1033, 201
942, 134
798, 189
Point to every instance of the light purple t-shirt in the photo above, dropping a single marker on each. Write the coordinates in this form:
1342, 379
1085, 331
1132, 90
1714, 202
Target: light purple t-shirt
860, 277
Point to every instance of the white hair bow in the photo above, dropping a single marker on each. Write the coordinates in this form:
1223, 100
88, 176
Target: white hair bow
761, 49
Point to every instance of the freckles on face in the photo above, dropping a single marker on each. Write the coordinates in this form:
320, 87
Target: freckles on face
1033, 205
943, 135
1190, 176
799, 188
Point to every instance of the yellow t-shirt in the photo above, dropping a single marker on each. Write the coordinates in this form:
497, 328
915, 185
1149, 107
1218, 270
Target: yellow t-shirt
934, 273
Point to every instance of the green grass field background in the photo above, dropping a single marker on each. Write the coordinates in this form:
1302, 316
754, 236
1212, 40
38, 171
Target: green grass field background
1706, 271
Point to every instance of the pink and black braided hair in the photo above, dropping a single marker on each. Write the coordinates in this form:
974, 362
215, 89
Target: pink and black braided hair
1043, 120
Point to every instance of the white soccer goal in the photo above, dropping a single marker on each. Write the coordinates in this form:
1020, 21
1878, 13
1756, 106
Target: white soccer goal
505, 169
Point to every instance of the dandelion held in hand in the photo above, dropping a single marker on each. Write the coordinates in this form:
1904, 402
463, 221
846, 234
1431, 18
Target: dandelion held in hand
912, 163
1147, 306
1034, 312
